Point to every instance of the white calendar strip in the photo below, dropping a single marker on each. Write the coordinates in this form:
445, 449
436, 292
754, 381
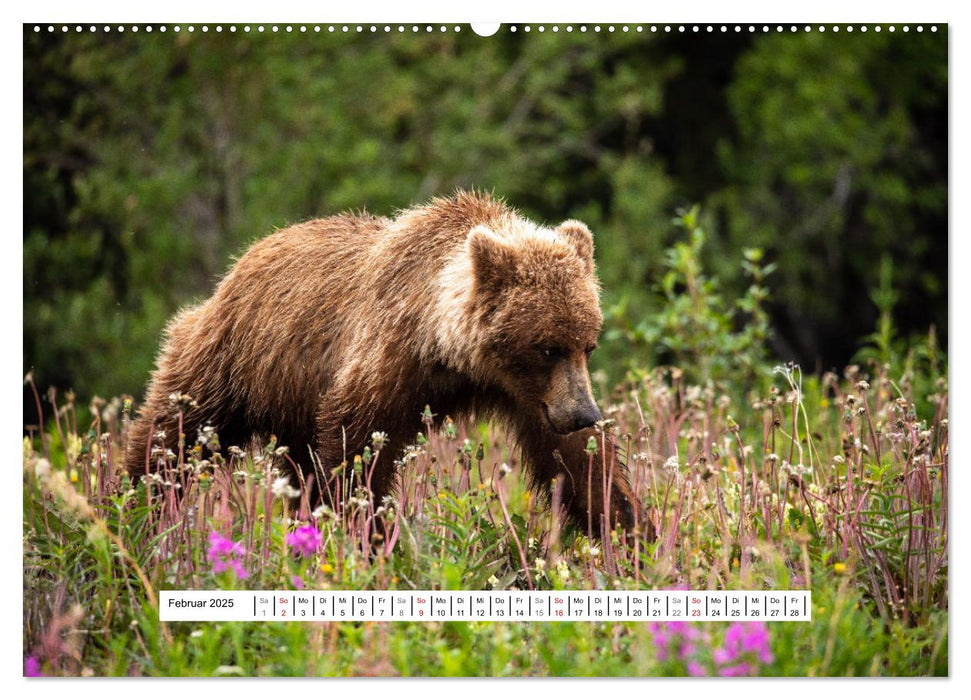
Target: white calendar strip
485, 606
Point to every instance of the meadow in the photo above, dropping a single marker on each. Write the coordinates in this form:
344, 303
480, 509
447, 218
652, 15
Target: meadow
753, 475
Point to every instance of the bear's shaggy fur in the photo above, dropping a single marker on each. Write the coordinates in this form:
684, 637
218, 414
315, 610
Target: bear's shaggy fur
327, 331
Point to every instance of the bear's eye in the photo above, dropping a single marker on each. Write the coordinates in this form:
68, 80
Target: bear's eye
552, 352
590, 349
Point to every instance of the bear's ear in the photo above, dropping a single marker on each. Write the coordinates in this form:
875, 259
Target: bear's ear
493, 260
578, 235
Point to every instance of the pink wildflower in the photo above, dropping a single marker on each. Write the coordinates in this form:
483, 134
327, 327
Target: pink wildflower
696, 669
743, 640
32, 667
738, 670
225, 554
305, 540
670, 637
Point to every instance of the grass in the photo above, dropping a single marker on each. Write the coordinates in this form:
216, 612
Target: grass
835, 483
753, 476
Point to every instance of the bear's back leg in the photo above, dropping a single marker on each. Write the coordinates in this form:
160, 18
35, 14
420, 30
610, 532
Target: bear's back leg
192, 377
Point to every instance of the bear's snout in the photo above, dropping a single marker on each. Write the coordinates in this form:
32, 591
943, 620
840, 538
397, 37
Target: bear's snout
566, 420
568, 403
586, 417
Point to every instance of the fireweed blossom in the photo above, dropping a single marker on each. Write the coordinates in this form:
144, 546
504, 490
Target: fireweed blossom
677, 639
226, 554
696, 669
744, 648
305, 540
32, 667
746, 645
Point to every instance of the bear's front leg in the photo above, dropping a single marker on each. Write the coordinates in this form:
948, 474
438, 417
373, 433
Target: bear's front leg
596, 490
342, 435
343, 431
157, 422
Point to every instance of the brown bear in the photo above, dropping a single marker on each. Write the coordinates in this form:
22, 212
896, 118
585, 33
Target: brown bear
327, 331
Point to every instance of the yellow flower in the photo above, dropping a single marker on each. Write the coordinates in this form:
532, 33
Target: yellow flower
839, 567
74, 476
824, 403
72, 447
326, 568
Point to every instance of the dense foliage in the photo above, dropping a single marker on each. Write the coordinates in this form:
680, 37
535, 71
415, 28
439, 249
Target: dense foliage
150, 159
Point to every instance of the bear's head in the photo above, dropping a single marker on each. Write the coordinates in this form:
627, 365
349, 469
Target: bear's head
536, 300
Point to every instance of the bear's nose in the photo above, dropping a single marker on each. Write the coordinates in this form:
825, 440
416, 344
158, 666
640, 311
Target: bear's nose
586, 417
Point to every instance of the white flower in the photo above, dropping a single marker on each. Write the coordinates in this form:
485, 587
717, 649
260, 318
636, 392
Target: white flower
42, 468
281, 488
322, 511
